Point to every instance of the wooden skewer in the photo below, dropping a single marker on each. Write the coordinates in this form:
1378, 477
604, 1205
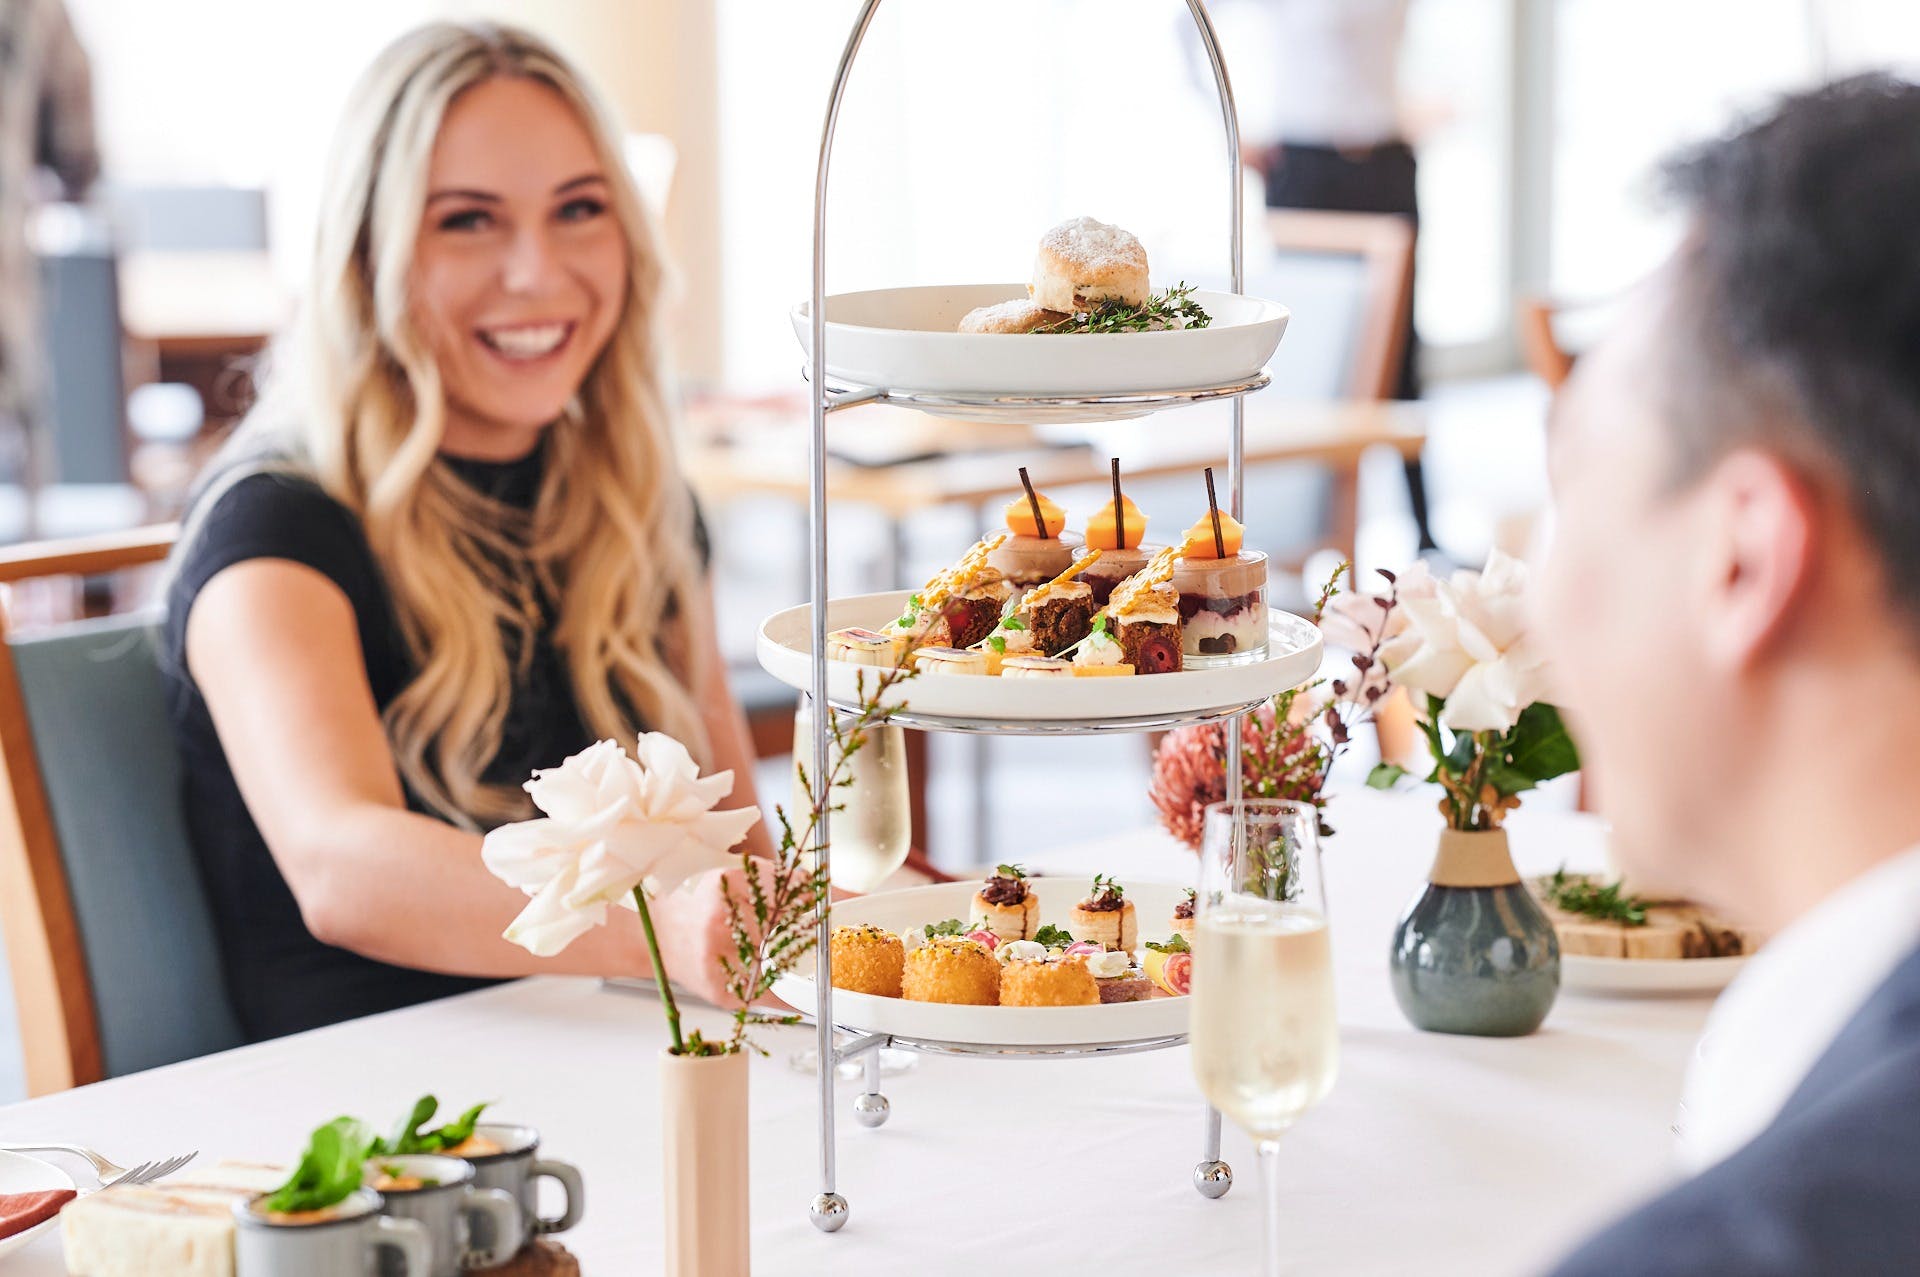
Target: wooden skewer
1119, 508
1213, 506
1033, 500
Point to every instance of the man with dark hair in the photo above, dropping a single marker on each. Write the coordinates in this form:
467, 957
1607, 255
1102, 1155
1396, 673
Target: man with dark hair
1732, 604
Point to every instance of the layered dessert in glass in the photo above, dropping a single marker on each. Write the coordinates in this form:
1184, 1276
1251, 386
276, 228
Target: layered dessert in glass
1223, 595
1121, 537
1035, 550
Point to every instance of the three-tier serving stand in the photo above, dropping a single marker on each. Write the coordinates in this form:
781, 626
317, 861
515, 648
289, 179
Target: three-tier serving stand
1212, 1177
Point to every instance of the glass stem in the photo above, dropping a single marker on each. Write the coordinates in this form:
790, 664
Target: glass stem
1270, 1188
659, 971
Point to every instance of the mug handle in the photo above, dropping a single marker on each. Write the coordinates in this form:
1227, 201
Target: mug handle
407, 1237
568, 1177
500, 1207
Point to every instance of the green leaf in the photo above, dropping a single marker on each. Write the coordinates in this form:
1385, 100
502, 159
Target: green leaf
329, 1169
1053, 937
1176, 944
1539, 747
1009, 871
951, 927
997, 643
1013, 623
1385, 775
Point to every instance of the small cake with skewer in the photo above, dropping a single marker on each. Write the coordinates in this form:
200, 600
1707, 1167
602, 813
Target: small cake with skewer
1038, 547
1146, 617
1007, 905
1223, 590
961, 605
1106, 917
1119, 531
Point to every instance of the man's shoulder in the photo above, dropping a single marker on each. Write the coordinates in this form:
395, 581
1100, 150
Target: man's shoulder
1829, 1187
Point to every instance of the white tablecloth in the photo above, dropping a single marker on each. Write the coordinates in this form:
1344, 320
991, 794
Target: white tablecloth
1433, 1154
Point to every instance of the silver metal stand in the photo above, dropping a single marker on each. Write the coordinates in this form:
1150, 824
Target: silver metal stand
1212, 1177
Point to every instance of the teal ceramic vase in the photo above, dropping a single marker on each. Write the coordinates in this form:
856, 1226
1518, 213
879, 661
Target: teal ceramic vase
1474, 953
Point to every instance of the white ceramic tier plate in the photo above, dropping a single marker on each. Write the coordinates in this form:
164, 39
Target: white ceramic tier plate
904, 340
1582, 973
786, 644
997, 1026
22, 1174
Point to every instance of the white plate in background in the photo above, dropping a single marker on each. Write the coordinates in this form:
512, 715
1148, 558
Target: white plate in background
1583, 973
22, 1174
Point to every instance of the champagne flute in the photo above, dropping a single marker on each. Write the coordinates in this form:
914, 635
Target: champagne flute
1265, 1045
870, 834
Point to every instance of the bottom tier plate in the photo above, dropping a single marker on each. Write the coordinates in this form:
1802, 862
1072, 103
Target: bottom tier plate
937, 1023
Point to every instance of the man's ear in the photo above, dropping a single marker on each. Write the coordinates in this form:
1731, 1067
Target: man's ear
1759, 526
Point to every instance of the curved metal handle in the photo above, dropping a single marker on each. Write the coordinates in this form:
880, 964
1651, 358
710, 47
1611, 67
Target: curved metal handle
568, 1177
502, 1211
408, 1239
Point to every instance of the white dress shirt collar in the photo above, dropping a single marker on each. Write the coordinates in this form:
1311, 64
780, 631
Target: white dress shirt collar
1789, 1004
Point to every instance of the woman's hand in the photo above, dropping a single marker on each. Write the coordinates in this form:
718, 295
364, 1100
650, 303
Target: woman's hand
695, 933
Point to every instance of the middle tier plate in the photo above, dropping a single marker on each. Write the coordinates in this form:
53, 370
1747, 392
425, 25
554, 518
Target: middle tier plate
966, 703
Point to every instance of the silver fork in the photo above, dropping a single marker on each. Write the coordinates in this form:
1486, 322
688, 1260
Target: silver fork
108, 1172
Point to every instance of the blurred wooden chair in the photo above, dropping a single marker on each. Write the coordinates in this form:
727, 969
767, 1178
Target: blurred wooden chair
1539, 343
110, 941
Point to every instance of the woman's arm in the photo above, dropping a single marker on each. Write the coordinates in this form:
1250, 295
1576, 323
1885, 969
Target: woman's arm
275, 650
726, 723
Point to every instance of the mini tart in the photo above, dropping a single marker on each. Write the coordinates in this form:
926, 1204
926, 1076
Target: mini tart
858, 646
1035, 667
952, 969
1005, 916
867, 959
1066, 983
1112, 929
950, 660
1183, 926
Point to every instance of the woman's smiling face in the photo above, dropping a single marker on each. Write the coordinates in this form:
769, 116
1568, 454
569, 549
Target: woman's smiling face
520, 269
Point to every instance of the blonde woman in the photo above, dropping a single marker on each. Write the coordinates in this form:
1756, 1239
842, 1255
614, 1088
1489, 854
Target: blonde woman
450, 546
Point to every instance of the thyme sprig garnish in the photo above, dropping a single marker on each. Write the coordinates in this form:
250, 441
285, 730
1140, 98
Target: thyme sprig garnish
1174, 308
1583, 896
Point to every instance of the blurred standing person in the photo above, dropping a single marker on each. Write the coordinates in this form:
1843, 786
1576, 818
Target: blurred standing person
47, 150
1322, 125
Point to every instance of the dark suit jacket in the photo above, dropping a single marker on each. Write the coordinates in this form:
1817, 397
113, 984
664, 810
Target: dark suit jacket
1831, 1187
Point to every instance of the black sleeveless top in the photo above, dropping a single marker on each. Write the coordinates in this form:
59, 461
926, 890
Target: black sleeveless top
280, 978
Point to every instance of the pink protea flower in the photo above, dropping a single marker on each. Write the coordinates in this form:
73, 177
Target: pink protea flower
1280, 758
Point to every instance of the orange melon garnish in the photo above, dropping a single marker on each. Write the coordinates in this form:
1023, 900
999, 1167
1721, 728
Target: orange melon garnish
1199, 540
1020, 517
1101, 531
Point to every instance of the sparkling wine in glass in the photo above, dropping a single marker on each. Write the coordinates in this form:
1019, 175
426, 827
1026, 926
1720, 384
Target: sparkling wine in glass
1265, 1044
872, 830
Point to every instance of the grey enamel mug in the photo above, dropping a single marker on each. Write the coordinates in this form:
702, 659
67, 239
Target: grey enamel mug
347, 1238
440, 1194
517, 1170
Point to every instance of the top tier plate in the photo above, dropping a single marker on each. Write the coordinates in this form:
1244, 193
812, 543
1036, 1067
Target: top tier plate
902, 340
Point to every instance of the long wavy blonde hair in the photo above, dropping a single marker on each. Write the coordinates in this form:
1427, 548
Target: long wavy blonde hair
355, 401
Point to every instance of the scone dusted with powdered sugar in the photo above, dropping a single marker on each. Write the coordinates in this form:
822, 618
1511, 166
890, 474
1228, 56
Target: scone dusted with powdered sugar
1083, 262
1006, 904
1146, 613
961, 605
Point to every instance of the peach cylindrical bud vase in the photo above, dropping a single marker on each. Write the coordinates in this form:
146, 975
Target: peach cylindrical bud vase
703, 1106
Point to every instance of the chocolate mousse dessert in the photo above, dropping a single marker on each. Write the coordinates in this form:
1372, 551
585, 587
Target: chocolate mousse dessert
1038, 547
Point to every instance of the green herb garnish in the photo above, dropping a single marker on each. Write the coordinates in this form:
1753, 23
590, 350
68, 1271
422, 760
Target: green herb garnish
1105, 886
998, 644
1174, 308
1178, 944
1013, 623
409, 1138
1584, 897
1052, 937
951, 927
329, 1170
1009, 871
